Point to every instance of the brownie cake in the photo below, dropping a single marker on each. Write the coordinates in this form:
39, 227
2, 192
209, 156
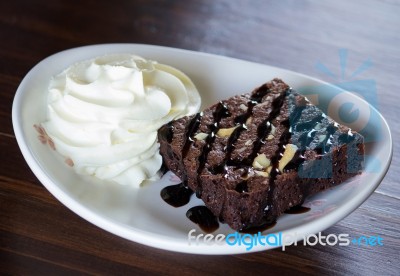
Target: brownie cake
253, 156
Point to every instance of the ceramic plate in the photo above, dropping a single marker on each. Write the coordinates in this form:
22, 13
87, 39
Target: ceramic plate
140, 215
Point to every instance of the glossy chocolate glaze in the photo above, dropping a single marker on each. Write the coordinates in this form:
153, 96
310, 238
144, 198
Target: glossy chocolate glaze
202, 216
176, 195
297, 210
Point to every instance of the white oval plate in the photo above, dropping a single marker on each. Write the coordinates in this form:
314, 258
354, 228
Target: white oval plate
141, 215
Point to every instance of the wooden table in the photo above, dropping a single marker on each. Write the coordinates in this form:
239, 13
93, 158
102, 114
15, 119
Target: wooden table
39, 235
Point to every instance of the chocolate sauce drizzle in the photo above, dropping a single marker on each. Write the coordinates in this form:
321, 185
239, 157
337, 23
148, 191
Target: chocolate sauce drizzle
295, 210
190, 130
179, 195
265, 127
220, 112
306, 138
258, 228
240, 122
296, 161
325, 145
262, 131
306, 125
202, 216
345, 138
176, 195
283, 140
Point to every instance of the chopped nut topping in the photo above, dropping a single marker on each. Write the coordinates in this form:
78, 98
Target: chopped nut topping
262, 173
225, 132
201, 136
273, 129
272, 133
249, 120
261, 161
243, 107
318, 126
248, 142
290, 151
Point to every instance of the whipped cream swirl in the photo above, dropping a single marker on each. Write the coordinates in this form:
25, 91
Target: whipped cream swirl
104, 113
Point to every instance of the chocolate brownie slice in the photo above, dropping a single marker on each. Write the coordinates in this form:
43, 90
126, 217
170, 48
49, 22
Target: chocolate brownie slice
253, 156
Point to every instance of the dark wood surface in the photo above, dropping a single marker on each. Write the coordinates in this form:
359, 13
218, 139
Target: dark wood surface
39, 235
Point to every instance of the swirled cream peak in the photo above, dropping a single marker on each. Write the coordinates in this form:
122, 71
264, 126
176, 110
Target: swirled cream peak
104, 113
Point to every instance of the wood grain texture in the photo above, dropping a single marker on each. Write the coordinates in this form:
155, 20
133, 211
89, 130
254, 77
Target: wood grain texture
38, 235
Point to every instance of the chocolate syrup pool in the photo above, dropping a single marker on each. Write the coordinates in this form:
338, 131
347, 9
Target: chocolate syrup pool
176, 195
179, 195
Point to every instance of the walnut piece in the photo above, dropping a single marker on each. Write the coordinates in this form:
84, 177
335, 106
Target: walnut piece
249, 120
225, 132
201, 136
261, 161
273, 129
290, 151
243, 107
262, 173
